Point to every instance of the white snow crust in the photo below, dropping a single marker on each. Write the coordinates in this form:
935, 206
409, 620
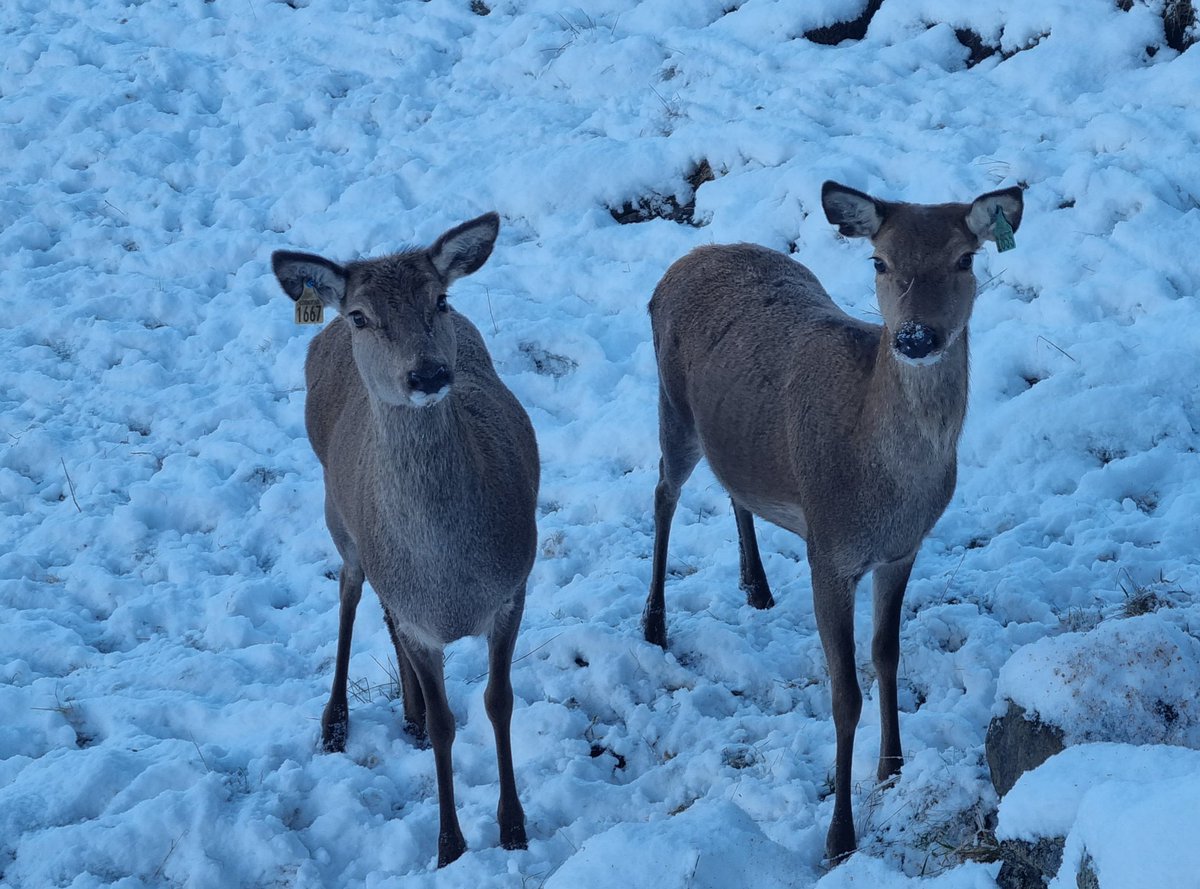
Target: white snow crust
1129, 811
168, 594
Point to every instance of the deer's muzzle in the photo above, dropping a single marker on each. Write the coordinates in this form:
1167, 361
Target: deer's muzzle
917, 342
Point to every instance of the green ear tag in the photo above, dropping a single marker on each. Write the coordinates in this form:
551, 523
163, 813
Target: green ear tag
309, 308
1003, 232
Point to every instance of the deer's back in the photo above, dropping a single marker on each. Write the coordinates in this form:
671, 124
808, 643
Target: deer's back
721, 306
768, 370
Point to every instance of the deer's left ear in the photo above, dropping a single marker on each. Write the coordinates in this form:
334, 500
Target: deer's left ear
981, 217
465, 248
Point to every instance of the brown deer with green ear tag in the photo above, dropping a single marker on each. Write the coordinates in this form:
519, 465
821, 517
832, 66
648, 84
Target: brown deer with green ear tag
842, 431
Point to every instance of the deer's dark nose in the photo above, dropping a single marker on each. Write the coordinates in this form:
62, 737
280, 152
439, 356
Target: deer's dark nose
430, 378
916, 341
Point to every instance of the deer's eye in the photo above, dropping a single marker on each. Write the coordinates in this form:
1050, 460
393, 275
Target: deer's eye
358, 319
442, 305
880, 266
964, 262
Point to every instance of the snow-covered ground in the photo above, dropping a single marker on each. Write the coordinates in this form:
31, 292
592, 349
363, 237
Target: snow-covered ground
167, 587
1130, 810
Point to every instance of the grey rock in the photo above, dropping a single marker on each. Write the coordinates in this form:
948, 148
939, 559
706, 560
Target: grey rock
1029, 865
1017, 743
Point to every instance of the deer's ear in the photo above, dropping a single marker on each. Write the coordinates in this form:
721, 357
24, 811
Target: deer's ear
857, 215
981, 217
297, 272
465, 248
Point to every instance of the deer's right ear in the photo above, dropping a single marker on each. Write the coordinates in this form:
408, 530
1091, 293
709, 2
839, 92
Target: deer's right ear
857, 215
981, 218
298, 271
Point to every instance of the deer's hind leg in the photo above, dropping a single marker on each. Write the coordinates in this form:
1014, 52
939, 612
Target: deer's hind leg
680, 454
410, 686
753, 580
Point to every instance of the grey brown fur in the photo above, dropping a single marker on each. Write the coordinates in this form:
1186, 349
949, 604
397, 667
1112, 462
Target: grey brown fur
431, 479
842, 431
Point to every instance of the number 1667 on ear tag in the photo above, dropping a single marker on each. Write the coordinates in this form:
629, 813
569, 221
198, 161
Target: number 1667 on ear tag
309, 308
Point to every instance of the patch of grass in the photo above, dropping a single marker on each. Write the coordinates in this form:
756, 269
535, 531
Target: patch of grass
1080, 620
74, 718
1148, 597
952, 840
365, 692
982, 847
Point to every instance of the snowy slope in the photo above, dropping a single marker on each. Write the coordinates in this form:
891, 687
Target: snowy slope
167, 587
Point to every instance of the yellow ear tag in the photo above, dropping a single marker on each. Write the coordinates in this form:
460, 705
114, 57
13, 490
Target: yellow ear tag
309, 308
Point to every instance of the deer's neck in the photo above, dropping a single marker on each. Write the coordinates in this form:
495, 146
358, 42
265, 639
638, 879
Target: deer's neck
917, 411
421, 449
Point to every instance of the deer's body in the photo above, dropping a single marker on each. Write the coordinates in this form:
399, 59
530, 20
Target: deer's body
850, 415
841, 431
406, 486
431, 479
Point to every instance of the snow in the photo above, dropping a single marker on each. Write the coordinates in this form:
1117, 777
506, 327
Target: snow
1131, 680
710, 845
167, 587
1130, 811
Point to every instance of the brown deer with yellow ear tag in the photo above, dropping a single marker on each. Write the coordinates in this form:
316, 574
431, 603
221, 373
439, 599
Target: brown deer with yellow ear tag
431, 481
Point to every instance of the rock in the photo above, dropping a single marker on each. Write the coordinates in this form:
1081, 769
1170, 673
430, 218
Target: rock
855, 29
679, 206
1103, 815
1016, 743
1129, 681
1029, 865
1179, 21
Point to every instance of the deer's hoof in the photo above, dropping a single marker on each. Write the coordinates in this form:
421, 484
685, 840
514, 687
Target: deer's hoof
416, 731
512, 836
654, 627
335, 726
451, 846
758, 596
839, 844
889, 770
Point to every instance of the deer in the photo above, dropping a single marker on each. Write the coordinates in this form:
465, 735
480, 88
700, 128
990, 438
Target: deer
431, 479
839, 430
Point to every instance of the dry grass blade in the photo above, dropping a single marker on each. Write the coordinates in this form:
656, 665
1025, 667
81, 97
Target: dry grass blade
70, 484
